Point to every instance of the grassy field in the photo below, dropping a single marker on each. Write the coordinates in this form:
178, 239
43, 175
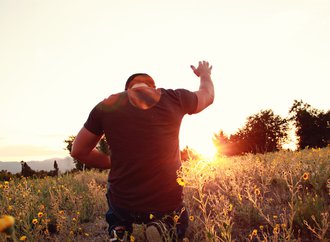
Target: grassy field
283, 196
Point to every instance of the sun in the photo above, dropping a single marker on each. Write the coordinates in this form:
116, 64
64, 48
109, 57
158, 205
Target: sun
199, 141
207, 151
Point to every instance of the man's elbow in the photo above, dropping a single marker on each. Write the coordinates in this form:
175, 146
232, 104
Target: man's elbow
77, 154
211, 99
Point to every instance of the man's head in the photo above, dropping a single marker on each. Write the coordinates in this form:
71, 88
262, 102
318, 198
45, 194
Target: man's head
139, 78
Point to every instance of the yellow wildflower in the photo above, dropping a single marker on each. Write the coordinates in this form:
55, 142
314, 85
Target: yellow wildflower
6, 183
275, 217
276, 229
34, 221
240, 197
10, 208
306, 176
180, 181
254, 232
40, 214
151, 216
61, 212
257, 191
230, 207
74, 219
6, 223
176, 218
23, 238
86, 234
191, 218
261, 227
131, 238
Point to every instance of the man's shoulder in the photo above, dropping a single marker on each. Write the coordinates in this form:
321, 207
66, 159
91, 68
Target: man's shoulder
179, 92
116, 99
183, 98
174, 91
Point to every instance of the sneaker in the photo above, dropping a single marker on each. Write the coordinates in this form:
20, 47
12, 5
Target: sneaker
118, 234
156, 231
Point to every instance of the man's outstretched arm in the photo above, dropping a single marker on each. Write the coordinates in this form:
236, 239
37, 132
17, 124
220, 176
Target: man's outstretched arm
84, 150
205, 93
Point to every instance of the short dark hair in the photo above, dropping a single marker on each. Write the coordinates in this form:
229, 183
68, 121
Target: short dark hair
131, 78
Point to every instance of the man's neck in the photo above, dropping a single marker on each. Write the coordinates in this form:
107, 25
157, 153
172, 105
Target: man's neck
139, 85
143, 96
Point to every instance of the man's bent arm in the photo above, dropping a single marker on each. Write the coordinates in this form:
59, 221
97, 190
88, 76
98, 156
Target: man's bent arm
205, 94
84, 150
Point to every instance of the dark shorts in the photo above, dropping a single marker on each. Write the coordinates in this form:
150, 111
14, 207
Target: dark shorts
117, 217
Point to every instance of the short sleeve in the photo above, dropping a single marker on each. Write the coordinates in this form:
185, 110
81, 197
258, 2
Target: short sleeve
188, 100
94, 121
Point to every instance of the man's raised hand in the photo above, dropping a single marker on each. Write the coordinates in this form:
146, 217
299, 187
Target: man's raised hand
203, 68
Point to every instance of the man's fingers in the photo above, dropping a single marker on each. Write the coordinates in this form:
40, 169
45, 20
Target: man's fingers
194, 70
206, 64
202, 65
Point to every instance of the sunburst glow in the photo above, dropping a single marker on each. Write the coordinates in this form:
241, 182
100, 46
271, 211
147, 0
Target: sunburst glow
207, 151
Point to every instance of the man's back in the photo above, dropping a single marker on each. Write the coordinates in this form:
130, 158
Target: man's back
142, 128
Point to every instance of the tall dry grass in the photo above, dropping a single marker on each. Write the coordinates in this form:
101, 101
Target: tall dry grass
282, 196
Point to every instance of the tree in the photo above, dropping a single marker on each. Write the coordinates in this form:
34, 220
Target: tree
312, 125
5, 175
69, 142
56, 169
263, 132
221, 142
26, 170
102, 146
188, 154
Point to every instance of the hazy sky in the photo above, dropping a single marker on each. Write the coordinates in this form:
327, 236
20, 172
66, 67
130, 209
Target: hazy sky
59, 58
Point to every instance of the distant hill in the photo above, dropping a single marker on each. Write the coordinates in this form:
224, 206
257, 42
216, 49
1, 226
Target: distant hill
64, 164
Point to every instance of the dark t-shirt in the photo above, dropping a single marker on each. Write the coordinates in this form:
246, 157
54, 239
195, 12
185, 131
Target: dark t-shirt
144, 144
